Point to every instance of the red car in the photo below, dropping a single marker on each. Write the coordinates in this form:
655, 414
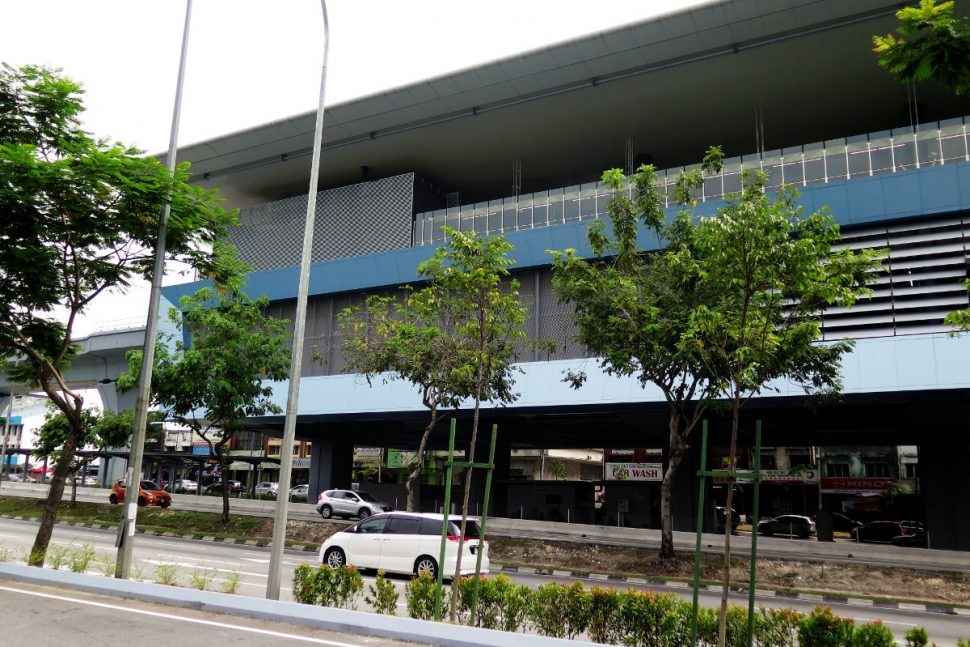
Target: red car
148, 494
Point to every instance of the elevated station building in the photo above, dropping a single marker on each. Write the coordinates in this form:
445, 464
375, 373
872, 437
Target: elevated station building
516, 147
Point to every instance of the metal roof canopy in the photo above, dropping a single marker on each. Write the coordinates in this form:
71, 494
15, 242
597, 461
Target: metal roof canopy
676, 84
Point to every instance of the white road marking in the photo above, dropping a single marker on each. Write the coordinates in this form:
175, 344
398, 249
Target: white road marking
168, 616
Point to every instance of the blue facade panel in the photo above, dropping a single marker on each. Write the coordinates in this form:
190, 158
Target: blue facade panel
923, 192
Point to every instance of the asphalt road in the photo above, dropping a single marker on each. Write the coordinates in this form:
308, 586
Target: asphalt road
841, 551
41, 615
252, 564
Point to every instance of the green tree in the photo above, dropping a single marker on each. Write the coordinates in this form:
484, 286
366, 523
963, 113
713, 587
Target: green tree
105, 429
410, 340
632, 309
932, 43
218, 379
770, 273
78, 216
469, 286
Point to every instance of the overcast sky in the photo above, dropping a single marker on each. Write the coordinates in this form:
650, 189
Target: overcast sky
251, 62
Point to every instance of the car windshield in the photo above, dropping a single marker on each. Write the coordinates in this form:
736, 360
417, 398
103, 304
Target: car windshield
148, 485
366, 497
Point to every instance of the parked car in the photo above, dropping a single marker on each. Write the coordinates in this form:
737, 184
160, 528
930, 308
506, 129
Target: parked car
792, 525
915, 539
841, 523
267, 489
216, 488
722, 515
300, 493
183, 486
405, 542
148, 494
880, 531
346, 503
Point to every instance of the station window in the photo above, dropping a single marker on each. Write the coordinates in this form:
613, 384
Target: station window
837, 469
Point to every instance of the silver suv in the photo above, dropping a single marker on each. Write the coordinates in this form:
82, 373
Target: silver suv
346, 503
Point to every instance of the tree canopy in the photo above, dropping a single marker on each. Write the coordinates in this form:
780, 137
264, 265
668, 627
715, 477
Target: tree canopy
78, 216
217, 379
931, 44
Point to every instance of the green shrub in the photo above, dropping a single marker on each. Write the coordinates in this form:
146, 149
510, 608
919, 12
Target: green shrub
419, 596
58, 556
653, 619
604, 607
5, 554
777, 627
80, 558
303, 584
502, 604
737, 626
873, 634
349, 586
167, 574
917, 637
328, 587
707, 625
963, 643
560, 611
231, 583
382, 595
822, 628
201, 578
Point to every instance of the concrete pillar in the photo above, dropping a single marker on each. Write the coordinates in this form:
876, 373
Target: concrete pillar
945, 495
331, 465
685, 488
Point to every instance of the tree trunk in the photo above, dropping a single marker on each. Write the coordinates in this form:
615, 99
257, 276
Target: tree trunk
225, 490
38, 553
74, 490
666, 488
419, 460
453, 614
726, 586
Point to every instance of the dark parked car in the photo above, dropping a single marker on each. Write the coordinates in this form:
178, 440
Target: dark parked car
916, 539
880, 531
721, 516
216, 488
788, 524
841, 523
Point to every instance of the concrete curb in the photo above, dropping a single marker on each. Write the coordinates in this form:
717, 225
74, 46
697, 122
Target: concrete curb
292, 613
832, 598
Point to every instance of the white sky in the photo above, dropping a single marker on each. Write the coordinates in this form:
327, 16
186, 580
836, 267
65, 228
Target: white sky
251, 62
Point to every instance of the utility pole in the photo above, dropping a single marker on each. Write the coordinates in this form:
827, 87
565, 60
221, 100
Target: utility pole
126, 531
299, 326
6, 430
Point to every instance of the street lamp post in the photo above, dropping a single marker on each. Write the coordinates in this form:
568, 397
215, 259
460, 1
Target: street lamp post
296, 360
126, 533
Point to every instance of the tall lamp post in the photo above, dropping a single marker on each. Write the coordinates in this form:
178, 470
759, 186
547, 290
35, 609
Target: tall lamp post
126, 530
296, 360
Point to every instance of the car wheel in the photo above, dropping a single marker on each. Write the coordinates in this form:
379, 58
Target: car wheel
363, 513
426, 565
767, 531
335, 558
142, 502
165, 504
113, 499
326, 512
803, 533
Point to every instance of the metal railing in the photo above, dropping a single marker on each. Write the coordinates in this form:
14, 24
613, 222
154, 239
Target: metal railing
836, 160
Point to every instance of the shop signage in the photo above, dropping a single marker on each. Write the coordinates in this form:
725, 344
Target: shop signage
201, 449
397, 459
854, 484
634, 471
781, 476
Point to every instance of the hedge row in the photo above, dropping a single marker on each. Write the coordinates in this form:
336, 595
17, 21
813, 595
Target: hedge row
602, 615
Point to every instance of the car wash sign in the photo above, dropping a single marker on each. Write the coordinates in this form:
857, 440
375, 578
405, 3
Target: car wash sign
634, 471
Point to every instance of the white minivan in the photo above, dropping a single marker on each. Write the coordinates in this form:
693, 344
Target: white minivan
405, 542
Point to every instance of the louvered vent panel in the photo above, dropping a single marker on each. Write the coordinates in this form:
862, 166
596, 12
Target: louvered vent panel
921, 279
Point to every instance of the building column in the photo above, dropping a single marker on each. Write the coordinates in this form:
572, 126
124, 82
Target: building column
683, 501
945, 495
331, 466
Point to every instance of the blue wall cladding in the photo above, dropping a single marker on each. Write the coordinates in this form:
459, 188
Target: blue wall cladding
354, 220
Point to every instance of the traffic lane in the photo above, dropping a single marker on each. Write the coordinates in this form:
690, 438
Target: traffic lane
86, 618
222, 561
253, 565
944, 629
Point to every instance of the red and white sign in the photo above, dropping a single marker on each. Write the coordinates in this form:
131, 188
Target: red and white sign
855, 484
635, 471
